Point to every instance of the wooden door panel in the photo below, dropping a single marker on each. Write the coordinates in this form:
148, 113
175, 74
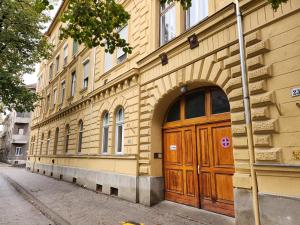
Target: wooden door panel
203, 147
181, 184
190, 183
205, 184
222, 146
188, 148
224, 188
174, 181
216, 167
172, 148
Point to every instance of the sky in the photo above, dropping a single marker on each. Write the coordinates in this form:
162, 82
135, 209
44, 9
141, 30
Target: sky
32, 78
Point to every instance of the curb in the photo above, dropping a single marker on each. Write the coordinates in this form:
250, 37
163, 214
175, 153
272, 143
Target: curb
49, 213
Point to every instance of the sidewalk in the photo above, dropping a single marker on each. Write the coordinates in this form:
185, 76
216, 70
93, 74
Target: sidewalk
80, 206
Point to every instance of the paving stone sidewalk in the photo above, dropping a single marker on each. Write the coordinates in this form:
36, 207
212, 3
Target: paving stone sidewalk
79, 206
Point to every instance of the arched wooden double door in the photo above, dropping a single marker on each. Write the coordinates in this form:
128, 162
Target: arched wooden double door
198, 156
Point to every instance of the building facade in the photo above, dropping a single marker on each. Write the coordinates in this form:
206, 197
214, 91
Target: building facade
15, 137
168, 120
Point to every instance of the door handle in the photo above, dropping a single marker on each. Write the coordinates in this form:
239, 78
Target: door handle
198, 169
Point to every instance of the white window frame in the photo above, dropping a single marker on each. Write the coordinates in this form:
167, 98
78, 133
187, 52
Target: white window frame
73, 83
163, 12
203, 3
42, 143
121, 55
51, 67
63, 91
65, 54
119, 122
21, 131
54, 96
57, 59
67, 130
80, 137
86, 63
48, 143
105, 126
108, 61
18, 151
75, 43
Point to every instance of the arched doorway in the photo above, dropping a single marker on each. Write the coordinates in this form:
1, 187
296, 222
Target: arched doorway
198, 156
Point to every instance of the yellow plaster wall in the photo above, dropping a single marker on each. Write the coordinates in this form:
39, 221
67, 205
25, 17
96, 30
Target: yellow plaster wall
145, 88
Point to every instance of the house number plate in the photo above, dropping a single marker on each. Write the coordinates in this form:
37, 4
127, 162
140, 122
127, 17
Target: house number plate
295, 92
173, 147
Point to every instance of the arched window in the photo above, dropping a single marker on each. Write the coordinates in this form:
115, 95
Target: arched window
56, 141
105, 130
48, 142
67, 138
220, 103
32, 145
119, 135
42, 142
80, 133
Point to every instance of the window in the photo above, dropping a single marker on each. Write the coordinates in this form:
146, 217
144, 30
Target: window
119, 130
48, 101
57, 63
31, 145
195, 104
80, 133
220, 102
54, 96
48, 142
73, 83
59, 33
56, 141
174, 112
121, 55
42, 141
20, 131
51, 71
167, 23
67, 137
197, 12
105, 133
75, 47
85, 74
108, 61
63, 89
65, 54
18, 151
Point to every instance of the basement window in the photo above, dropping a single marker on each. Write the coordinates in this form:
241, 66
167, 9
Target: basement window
60, 176
74, 179
98, 188
114, 191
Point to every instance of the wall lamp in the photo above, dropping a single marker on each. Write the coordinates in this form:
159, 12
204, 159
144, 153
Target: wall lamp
164, 58
193, 41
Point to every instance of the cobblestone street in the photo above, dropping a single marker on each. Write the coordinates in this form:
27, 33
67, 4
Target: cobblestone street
80, 206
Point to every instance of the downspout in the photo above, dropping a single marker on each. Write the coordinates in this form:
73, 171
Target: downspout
247, 114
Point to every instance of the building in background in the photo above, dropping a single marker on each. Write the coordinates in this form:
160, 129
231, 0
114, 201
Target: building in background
15, 136
168, 121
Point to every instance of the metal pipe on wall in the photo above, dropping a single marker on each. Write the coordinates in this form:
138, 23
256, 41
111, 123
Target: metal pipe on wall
247, 109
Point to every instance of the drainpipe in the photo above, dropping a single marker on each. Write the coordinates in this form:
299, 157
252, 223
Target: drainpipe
247, 113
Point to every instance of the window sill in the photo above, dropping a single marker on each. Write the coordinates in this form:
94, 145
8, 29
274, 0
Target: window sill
83, 90
70, 98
